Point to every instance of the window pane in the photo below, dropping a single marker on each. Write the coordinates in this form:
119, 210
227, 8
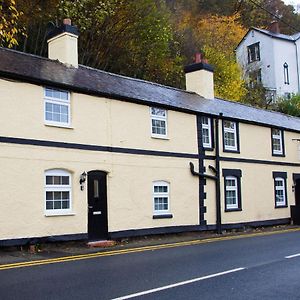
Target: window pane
49, 179
276, 144
229, 139
64, 118
57, 180
64, 95
49, 195
48, 116
65, 204
205, 135
158, 111
48, 93
64, 109
49, 205
56, 117
205, 120
65, 180
56, 94
57, 204
96, 188
65, 196
57, 196
49, 107
275, 132
228, 124
56, 108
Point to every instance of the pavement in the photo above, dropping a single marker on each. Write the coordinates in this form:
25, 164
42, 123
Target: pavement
38, 252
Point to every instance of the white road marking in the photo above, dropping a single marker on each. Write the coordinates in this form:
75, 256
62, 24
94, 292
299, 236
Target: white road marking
291, 256
177, 284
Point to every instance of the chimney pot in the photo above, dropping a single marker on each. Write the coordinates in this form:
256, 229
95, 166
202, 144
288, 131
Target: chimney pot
67, 21
198, 57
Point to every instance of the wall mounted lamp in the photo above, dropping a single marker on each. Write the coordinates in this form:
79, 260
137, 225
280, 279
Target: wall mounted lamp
82, 180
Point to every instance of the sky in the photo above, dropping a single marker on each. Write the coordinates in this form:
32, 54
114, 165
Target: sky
291, 1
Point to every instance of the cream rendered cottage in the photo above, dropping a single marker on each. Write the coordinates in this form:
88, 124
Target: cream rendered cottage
87, 154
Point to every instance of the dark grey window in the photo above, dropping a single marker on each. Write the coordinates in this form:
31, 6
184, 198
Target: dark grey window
255, 78
286, 73
253, 53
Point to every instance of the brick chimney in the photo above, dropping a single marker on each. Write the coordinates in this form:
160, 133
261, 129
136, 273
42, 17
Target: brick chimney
62, 44
274, 27
199, 77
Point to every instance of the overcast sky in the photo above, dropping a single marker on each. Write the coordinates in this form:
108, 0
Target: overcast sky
291, 1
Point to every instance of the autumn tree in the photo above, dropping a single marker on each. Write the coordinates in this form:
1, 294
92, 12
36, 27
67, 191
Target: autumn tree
289, 106
218, 36
260, 13
132, 38
9, 23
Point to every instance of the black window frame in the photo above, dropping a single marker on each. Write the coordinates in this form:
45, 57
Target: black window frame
282, 175
237, 173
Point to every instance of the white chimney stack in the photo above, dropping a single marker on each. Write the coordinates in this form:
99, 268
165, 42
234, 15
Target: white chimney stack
62, 44
199, 78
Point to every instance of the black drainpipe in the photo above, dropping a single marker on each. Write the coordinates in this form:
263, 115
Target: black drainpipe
218, 183
216, 178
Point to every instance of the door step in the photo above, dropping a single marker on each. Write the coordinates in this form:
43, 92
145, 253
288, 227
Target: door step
101, 243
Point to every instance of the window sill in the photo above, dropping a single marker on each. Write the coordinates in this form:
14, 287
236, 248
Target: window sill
59, 125
231, 151
160, 137
208, 148
253, 61
163, 216
232, 209
278, 155
281, 206
59, 214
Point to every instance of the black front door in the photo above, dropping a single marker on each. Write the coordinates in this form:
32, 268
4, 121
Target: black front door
97, 205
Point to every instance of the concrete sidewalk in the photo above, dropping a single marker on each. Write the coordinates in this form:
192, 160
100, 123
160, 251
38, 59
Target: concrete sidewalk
9, 255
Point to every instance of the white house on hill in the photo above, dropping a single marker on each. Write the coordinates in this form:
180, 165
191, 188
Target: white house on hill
271, 58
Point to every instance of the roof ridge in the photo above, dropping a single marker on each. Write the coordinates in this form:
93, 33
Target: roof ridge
98, 70
258, 108
137, 79
278, 35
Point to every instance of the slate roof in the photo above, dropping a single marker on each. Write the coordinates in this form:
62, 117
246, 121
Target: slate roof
43, 71
281, 36
289, 38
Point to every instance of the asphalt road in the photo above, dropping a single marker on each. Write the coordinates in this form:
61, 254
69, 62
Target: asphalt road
262, 267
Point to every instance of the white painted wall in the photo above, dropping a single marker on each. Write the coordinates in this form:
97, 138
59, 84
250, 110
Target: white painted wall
285, 51
274, 53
